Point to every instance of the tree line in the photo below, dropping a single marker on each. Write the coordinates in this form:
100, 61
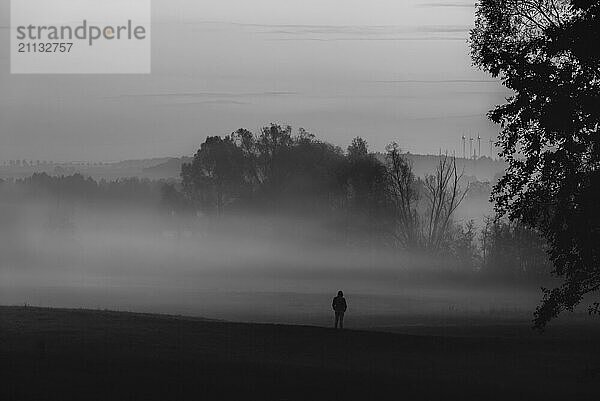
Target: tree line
364, 198
82, 189
360, 198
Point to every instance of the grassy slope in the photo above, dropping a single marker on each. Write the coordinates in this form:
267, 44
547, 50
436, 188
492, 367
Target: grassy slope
50, 354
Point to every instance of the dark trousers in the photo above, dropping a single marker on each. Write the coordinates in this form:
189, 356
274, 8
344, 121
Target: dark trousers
339, 319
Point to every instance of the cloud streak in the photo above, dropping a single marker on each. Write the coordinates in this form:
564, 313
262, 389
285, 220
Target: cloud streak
206, 103
446, 5
176, 95
436, 81
403, 39
284, 32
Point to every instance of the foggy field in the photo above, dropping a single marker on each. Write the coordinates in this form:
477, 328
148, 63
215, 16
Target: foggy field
450, 333
242, 268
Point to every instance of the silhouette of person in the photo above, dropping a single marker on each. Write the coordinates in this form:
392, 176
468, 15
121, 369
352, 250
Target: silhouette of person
339, 307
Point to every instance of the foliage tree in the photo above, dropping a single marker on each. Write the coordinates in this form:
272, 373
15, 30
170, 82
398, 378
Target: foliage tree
273, 144
215, 175
364, 176
513, 250
247, 143
358, 149
315, 170
364, 179
546, 52
464, 247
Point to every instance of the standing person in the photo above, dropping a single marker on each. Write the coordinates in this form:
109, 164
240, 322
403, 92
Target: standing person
339, 307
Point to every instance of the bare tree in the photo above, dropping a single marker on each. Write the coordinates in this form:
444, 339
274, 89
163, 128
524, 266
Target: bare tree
443, 194
403, 196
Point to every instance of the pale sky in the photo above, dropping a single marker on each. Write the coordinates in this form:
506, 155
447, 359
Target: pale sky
387, 70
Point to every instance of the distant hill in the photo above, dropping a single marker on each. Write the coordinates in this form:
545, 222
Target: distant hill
169, 169
483, 169
107, 171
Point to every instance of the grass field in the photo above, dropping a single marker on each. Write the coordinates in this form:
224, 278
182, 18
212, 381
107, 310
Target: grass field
59, 354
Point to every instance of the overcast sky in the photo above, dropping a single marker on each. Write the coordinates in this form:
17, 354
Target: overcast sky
387, 70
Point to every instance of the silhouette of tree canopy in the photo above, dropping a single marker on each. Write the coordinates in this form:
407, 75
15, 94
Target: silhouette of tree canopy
364, 183
464, 246
364, 176
215, 176
546, 51
358, 149
513, 250
273, 168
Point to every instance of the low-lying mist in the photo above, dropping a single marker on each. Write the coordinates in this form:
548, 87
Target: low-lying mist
243, 267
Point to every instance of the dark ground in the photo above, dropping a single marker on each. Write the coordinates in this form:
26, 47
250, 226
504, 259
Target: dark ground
57, 354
